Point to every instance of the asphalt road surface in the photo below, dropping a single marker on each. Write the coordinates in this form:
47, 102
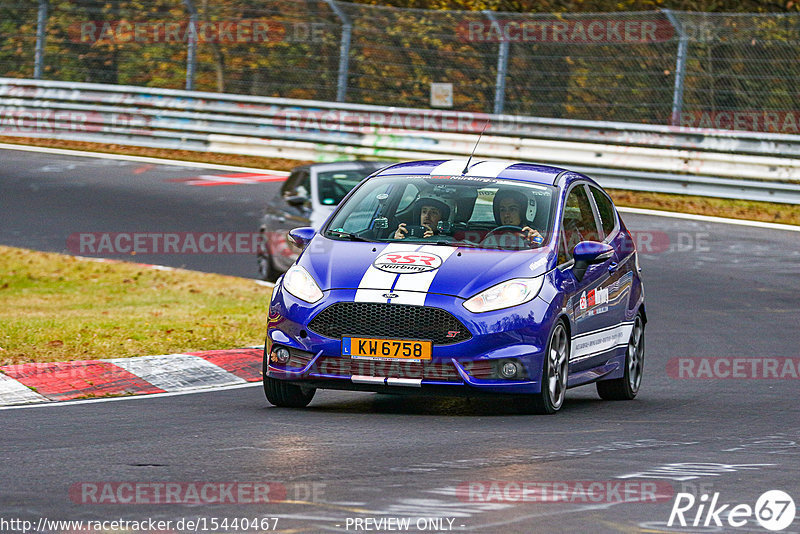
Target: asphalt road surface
360, 462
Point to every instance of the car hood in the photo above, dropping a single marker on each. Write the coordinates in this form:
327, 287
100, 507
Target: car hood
392, 267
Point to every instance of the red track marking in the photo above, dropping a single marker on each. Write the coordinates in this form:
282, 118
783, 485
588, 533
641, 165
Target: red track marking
70, 380
143, 168
244, 363
241, 178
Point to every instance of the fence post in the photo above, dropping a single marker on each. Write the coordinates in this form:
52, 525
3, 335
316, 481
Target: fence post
344, 50
680, 67
502, 67
41, 33
191, 45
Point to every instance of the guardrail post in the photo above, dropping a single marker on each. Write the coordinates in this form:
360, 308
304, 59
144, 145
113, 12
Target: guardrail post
41, 33
344, 50
680, 67
191, 45
502, 67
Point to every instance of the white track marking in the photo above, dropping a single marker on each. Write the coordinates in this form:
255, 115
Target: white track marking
141, 159
174, 372
442, 169
12, 391
130, 397
708, 218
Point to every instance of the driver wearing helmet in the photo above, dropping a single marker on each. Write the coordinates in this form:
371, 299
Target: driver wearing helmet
510, 209
431, 211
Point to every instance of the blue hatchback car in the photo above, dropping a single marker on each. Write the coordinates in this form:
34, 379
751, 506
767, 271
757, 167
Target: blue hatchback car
462, 278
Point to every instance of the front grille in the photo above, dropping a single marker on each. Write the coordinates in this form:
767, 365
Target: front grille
400, 321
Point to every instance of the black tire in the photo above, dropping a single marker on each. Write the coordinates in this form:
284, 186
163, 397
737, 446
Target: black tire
266, 270
554, 374
283, 394
627, 387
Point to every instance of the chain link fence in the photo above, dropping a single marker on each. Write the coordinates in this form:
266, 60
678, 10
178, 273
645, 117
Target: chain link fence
728, 71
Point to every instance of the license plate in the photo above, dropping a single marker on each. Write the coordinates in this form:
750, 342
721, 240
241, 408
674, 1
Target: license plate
386, 349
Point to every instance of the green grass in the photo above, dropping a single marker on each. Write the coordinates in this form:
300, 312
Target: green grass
55, 307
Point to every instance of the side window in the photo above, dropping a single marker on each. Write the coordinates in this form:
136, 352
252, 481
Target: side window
578, 223
297, 185
563, 257
410, 194
605, 208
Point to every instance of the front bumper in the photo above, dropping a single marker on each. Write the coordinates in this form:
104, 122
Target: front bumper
468, 367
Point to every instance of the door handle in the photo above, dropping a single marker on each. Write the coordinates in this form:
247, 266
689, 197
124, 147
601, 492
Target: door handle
612, 266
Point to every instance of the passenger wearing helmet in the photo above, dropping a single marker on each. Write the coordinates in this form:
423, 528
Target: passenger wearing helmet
430, 211
510, 208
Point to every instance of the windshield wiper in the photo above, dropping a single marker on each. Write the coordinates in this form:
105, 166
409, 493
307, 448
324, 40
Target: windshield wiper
339, 233
465, 244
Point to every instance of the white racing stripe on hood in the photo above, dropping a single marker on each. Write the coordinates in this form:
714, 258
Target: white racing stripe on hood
419, 283
375, 282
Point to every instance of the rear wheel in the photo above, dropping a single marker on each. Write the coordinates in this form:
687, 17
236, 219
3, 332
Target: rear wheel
554, 374
284, 394
627, 387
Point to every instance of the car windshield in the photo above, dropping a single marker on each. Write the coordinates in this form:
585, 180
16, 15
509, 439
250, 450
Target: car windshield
462, 211
334, 185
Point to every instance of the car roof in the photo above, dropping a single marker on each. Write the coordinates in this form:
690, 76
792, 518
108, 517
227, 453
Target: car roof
511, 170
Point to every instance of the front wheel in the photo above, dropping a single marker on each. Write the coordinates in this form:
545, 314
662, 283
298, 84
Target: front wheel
554, 374
283, 394
266, 270
627, 387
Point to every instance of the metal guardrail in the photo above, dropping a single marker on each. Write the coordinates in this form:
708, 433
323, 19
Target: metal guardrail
745, 165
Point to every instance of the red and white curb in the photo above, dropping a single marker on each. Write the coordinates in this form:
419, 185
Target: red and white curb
62, 381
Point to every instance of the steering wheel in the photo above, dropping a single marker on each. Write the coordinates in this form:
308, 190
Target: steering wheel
504, 228
507, 229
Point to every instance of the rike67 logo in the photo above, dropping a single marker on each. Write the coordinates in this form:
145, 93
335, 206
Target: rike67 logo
774, 510
407, 262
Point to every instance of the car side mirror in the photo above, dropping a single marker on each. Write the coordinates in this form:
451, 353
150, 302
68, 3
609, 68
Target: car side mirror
300, 237
297, 201
588, 253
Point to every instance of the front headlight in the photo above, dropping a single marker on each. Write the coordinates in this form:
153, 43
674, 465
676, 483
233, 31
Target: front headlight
299, 283
506, 294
